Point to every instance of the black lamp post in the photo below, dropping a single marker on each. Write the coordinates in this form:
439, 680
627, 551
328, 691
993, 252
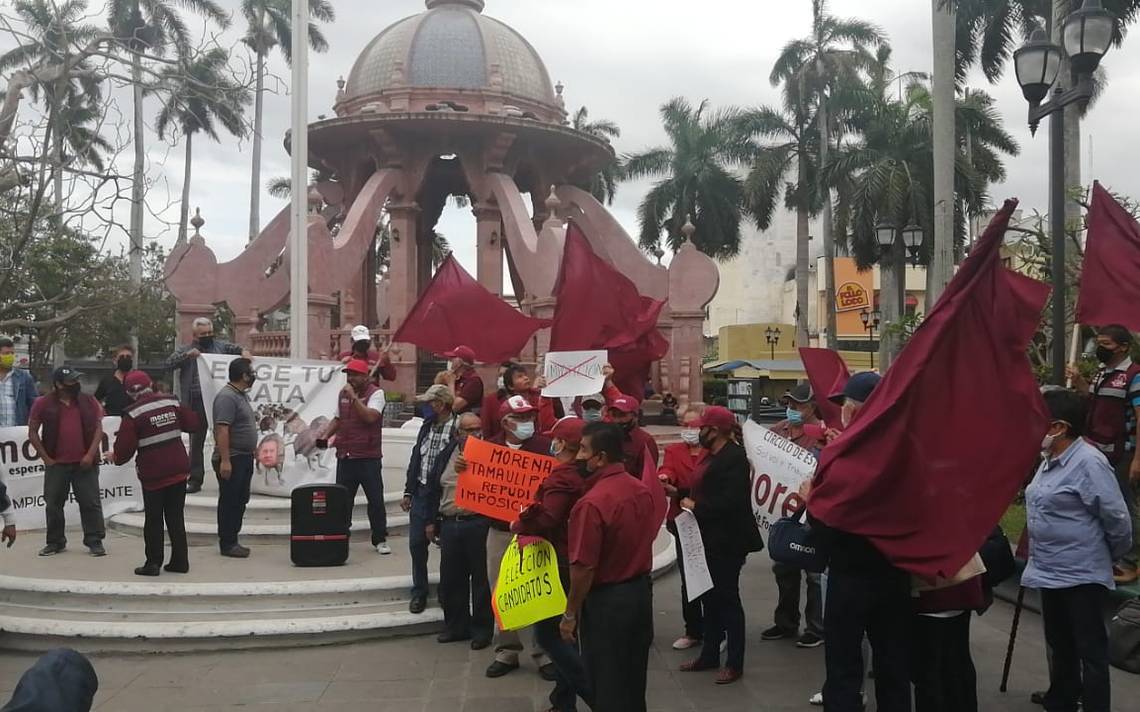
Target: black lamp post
1087, 34
772, 336
888, 236
870, 321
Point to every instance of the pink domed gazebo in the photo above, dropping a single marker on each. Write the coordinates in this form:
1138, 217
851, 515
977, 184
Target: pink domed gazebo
449, 102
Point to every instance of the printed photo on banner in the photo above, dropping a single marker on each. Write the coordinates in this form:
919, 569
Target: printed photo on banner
23, 472
574, 373
779, 468
293, 403
499, 482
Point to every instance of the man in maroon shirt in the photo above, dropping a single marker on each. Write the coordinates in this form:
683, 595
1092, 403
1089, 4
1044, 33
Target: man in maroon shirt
66, 429
611, 554
464, 381
623, 412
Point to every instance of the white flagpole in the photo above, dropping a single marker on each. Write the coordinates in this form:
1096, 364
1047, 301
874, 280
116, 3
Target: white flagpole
298, 222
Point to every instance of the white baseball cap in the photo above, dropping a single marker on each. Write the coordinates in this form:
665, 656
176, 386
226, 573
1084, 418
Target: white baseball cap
361, 333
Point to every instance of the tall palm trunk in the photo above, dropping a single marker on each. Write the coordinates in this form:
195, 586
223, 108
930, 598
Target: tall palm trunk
945, 148
828, 235
258, 106
892, 281
184, 218
138, 175
803, 302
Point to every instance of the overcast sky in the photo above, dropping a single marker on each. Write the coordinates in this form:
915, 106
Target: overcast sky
623, 59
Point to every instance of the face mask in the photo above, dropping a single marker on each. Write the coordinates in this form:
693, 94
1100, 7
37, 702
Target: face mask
426, 411
7, 360
795, 417
126, 363
691, 436
251, 377
1047, 445
205, 342
524, 430
627, 427
1104, 355
556, 448
592, 415
708, 439
500, 384
72, 389
583, 468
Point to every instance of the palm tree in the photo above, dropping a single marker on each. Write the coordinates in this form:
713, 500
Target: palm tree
698, 181
201, 95
270, 25
603, 184
811, 68
150, 26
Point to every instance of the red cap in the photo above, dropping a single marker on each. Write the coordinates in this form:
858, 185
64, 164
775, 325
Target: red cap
568, 429
717, 417
136, 382
515, 405
626, 404
463, 352
357, 366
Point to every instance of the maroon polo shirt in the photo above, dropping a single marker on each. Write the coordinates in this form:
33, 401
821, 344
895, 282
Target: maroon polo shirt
469, 387
611, 527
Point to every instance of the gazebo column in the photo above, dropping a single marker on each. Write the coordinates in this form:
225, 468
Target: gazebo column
403, 287
489, 247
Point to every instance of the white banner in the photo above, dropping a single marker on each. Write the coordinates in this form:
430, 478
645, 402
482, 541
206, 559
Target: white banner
23, 473
779, 468
698, 580
574, 373
293, 402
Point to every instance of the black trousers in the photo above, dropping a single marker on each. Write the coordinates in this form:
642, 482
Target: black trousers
365, 473
198, 443
787, 614
464, 591
692, 612
167, 505
942, 670
724, 613
233, 495
1075, 633
878, 605
59, 480
616, 634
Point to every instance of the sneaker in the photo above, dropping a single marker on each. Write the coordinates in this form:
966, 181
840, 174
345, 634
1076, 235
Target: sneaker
685, 642
809, 640
97, 550
52, 549
383, 549
776, 633
816, 700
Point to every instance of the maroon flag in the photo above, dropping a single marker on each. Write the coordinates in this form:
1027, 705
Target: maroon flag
1110, 277
456, 310
827, 373
600, 308
938, 452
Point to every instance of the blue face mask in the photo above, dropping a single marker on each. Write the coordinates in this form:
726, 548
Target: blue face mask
524, 430
795, 417
426, 411
592, 415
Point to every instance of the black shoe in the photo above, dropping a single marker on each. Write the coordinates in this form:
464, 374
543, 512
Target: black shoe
809, 640
237, 551
181, 569
148, 570
97, 550
1037, 698
499, 668
777, 633
548, 672
52, 549
193, 488
418, 604
449, 637
480, 643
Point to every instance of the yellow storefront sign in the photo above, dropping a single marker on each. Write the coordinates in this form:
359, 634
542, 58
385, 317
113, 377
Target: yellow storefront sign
851, 296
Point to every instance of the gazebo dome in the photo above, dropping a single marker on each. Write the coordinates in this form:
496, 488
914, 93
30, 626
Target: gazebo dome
452, 45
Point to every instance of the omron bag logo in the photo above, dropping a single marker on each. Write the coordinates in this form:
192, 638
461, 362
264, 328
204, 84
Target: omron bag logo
810, 550
851, 296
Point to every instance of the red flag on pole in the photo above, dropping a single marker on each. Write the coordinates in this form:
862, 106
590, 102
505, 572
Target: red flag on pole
827, 373
600, 308
1110, 277
456, 310
941, 447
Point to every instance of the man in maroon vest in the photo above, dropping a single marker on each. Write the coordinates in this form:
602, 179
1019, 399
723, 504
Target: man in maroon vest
152, 427
66, 429
357, 427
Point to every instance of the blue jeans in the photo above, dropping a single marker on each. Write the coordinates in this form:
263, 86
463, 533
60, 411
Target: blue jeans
417, 542
233, 495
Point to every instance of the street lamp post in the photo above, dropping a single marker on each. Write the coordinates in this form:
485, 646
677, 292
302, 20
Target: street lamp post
870, 321
772, 336
1087, 35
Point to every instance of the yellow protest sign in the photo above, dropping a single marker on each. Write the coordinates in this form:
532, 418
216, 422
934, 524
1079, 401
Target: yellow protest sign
529, 589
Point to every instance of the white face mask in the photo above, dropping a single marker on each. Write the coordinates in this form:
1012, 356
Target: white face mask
1047, 445
524, 430
691, 436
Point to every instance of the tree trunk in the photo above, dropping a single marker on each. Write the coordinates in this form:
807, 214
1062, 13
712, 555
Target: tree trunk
828, 234
255, 179
184, 218
137, 188
891, 281
803, 300
945, 147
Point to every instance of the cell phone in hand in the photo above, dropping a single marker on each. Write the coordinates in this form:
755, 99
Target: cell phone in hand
323, 443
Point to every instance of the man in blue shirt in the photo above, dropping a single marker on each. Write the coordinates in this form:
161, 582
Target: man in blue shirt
1078, 524
17, 387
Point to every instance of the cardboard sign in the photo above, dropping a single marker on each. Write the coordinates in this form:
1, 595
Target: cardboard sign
574, 373
529, 589
851, 296
499, 482
779, 467
698, 580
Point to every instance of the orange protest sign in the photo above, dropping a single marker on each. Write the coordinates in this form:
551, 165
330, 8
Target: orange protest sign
499, 482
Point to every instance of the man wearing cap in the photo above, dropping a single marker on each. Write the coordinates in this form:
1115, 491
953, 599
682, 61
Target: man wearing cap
610, 548
357, 427
66, 429
152, 427
464, 381
623, 411
362, 350
185, 362
801, 412
436, 433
